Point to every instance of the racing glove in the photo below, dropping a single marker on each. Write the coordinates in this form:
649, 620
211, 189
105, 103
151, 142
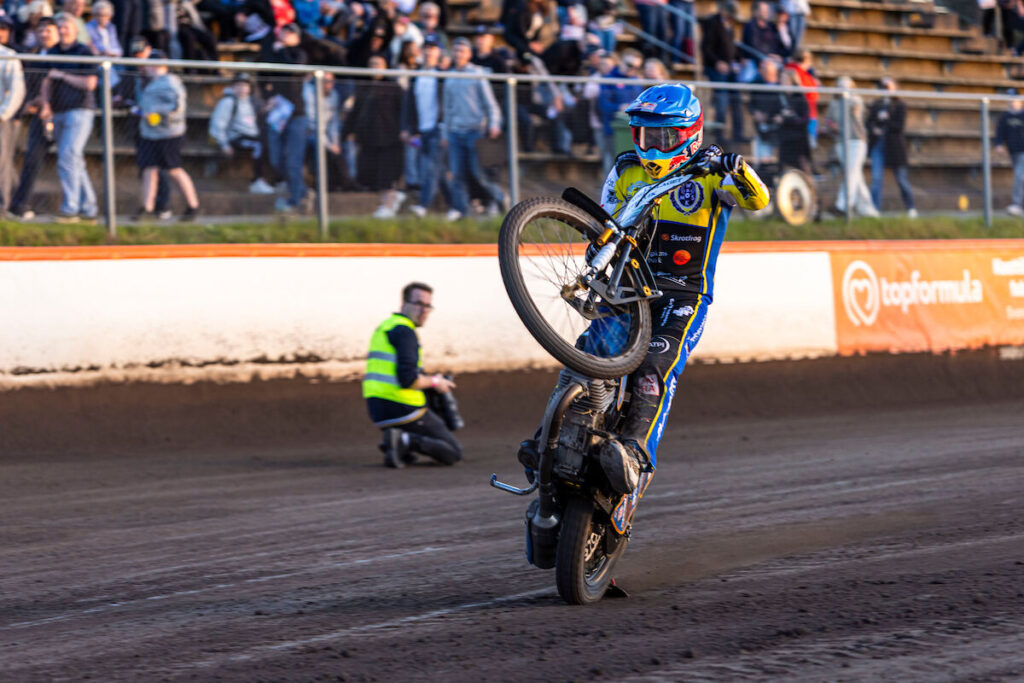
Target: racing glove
732, 163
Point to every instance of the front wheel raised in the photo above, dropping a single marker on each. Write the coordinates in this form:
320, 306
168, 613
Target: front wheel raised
586, 554
542, 252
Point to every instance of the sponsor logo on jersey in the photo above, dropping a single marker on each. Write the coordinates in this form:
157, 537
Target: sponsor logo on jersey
688, 198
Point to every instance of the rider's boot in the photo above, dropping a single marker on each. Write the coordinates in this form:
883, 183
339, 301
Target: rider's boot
622, 462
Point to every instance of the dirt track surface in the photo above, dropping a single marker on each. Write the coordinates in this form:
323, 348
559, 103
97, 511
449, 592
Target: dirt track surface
870, 530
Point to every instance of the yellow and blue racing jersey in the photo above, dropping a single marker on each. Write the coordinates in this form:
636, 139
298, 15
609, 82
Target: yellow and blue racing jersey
690, 221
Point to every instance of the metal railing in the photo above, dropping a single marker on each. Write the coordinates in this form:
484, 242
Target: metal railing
509, 83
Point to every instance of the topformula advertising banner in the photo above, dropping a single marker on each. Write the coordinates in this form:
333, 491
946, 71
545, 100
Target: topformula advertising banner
930, 297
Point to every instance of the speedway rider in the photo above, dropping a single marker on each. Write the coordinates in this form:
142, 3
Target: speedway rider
667, 124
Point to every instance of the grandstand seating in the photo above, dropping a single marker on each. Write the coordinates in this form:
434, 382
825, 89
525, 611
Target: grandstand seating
864, 40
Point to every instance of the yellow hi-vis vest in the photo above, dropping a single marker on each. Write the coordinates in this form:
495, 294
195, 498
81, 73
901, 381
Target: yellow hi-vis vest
381, 378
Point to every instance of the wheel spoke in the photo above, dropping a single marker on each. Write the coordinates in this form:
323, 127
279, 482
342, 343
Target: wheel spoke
551, 256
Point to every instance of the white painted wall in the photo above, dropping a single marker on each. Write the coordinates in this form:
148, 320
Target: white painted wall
61, 315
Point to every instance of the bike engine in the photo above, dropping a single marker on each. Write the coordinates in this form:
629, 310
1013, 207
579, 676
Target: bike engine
584, 424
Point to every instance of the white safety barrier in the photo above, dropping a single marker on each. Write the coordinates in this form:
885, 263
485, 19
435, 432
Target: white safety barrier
198, 312
106, 314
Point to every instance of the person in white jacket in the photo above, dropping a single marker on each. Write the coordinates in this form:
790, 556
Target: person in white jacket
12, 94
234, 128
798, 11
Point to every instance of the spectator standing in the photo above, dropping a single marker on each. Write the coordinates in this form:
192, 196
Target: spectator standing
40, 130
7, 38
421, 127
234, 127
718, 48
484, 54
128, 18
887, 118
68, 96
405, 32
766, 110
155, 25
606, 27
682, 26
853, 153
128, 94
803, 67
794, 145
525, 23
548, 102
798, 11
786, 46
613, 99
655, 70
654, 23
287, 121
469, 110
12, 96
162, 108
430, 24
761, 34
1010, 138
75, 9
375, 124
29, 16
102, 33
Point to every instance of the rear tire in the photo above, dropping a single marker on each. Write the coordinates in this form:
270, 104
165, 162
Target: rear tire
541, 249
583, 570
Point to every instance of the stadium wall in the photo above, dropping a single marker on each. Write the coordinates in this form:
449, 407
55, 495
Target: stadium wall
204, 308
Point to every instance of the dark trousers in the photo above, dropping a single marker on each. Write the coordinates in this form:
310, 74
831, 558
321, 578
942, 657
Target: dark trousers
727, 100
255, 149
35, 155
127, 20
430, 436
678, 326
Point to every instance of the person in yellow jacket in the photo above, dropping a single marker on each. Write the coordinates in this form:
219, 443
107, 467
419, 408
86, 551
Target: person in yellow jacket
395, 386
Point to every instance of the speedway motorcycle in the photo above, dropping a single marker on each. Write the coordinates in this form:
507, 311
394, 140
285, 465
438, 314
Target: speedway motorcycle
579, 280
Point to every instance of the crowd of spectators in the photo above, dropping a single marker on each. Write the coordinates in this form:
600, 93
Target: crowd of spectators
413, 140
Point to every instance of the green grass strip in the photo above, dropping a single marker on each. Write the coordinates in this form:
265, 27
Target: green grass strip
436, 230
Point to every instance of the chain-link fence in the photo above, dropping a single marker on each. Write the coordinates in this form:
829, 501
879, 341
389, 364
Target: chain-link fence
156, 139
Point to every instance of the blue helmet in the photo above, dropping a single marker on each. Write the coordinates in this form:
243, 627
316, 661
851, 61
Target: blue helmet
668, 127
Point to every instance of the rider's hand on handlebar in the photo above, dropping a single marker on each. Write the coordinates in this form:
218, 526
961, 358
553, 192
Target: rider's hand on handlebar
732, 163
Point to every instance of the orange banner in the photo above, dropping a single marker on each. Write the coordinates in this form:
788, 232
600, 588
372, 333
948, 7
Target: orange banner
904, 300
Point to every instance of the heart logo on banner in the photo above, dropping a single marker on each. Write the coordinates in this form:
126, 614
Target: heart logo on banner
861, 298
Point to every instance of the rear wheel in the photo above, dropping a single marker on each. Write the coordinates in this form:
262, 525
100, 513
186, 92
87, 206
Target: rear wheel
542, 252
586, 555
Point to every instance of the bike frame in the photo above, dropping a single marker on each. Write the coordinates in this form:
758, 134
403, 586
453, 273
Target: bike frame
620, 237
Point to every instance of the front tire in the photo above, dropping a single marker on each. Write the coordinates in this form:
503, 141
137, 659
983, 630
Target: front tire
541, 250
583, 567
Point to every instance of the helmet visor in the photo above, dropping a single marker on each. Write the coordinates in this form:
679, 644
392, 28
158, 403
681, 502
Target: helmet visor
663, 139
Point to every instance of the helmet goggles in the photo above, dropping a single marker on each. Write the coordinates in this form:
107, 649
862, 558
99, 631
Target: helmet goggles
664, 139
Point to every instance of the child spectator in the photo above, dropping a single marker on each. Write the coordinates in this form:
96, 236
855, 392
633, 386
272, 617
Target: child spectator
234, 128
161, 133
